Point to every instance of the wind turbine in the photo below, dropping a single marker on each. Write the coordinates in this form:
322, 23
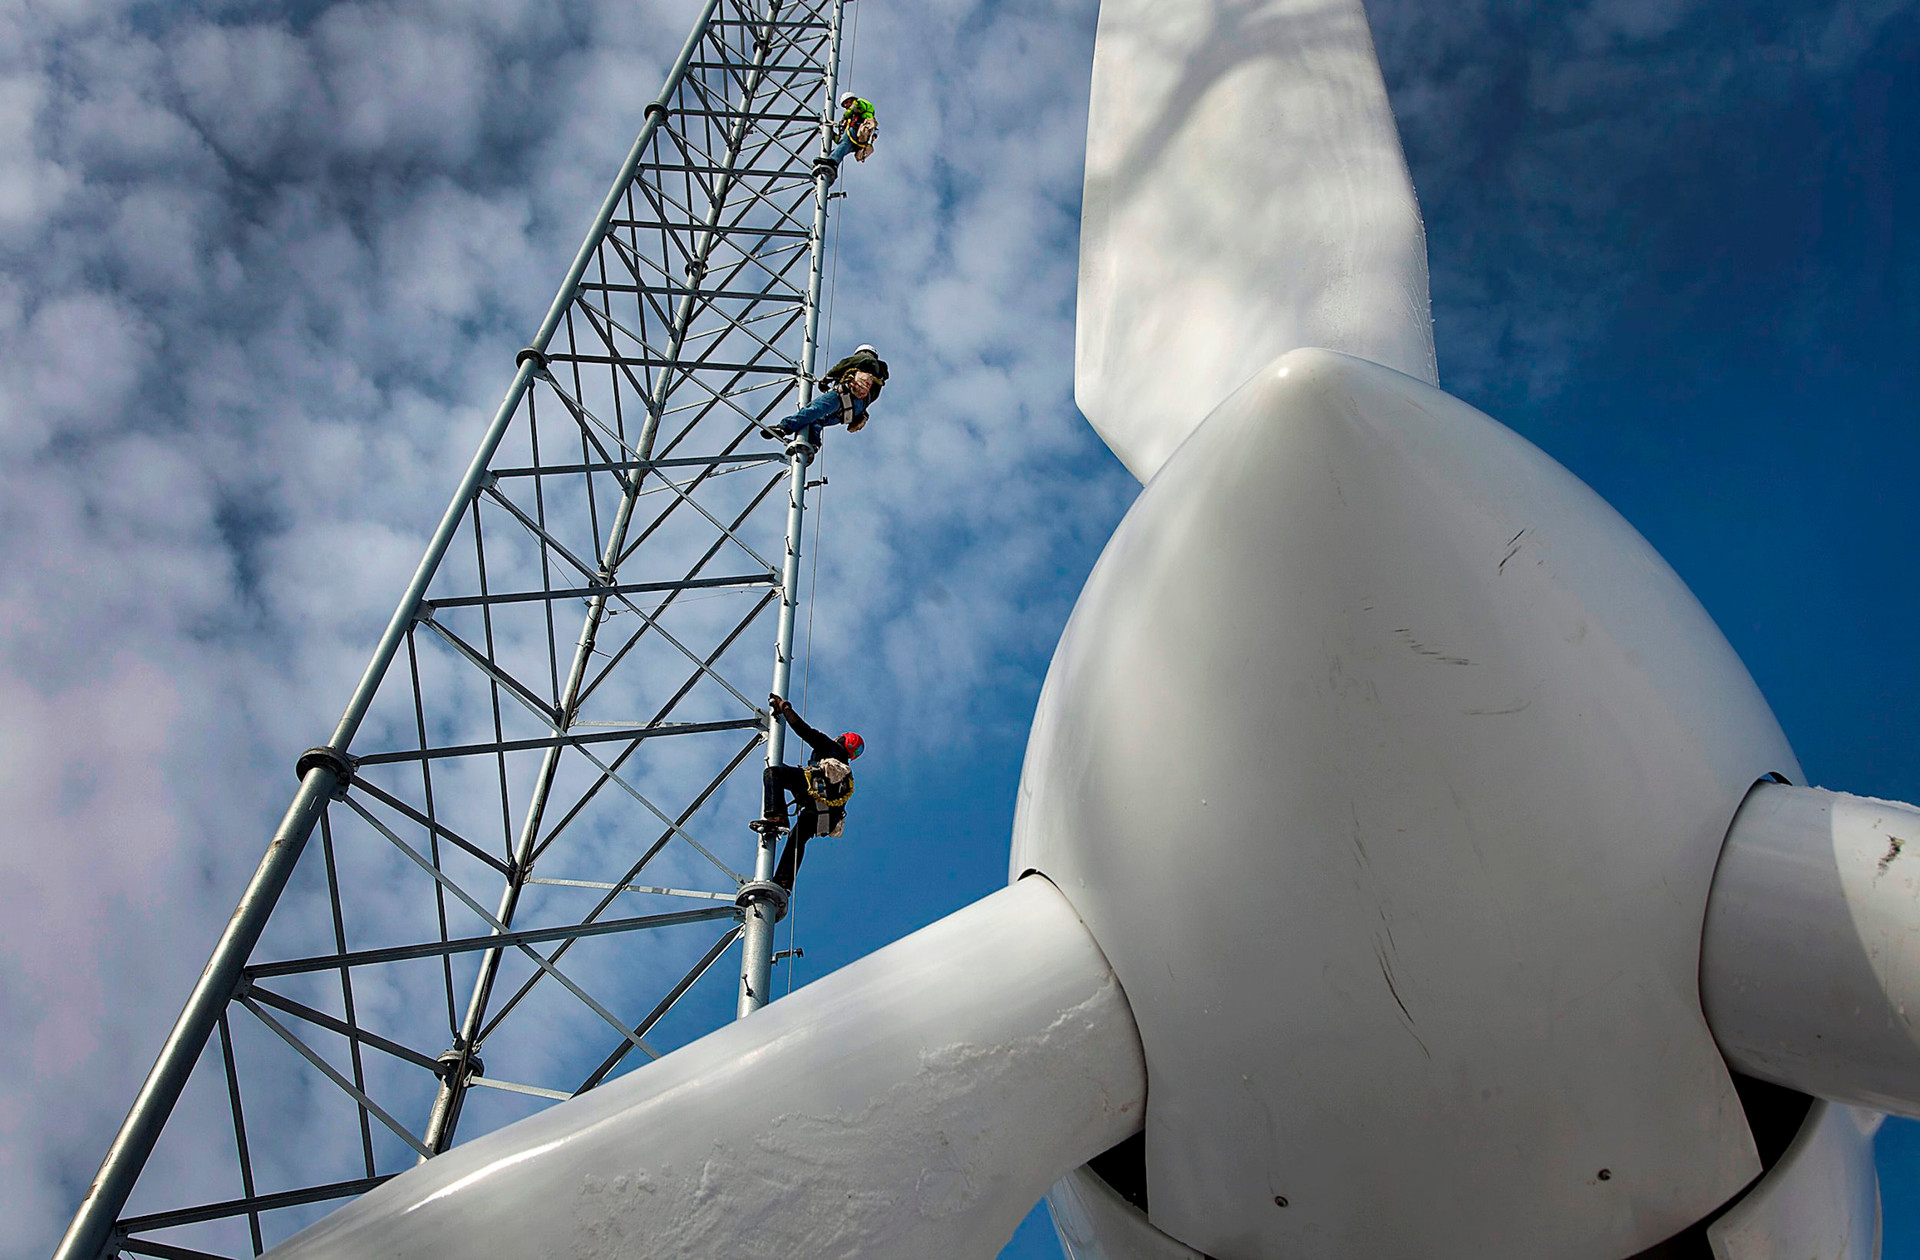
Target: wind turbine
1400, 847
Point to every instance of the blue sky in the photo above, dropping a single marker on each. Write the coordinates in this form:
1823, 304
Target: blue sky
260, 276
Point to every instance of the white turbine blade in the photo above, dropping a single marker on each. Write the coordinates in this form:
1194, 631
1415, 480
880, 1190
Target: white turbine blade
916, 1103
1246, 195
1810, 963
1822, 1198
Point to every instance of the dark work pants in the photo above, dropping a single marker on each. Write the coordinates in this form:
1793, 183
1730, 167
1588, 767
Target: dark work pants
777, 782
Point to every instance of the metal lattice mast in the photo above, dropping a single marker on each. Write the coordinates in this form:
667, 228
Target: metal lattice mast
499, 787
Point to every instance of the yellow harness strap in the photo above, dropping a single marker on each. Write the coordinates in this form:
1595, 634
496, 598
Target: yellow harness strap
830, 783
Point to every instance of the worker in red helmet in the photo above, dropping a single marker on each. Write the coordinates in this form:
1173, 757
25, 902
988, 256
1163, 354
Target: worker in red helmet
820, 789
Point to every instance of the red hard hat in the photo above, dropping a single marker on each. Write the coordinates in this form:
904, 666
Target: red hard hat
853, 744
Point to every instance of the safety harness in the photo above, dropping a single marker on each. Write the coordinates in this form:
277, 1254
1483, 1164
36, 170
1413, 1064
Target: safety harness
860, 126
829, 782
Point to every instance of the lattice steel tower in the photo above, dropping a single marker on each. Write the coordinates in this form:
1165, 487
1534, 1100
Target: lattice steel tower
518, 851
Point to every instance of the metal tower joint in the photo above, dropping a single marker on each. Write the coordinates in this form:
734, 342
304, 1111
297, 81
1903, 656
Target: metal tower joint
455, 1063
539, 357
334, 759
757, 891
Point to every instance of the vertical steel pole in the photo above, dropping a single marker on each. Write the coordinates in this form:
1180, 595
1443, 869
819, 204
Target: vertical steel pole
762, 903
91, 1230
445, 1114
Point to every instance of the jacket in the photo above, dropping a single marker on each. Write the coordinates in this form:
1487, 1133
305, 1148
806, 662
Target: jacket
855, 114
825, 748
859, 363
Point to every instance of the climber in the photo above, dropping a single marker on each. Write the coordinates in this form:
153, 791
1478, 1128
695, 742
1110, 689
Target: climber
849, 388
820, 789
856, 130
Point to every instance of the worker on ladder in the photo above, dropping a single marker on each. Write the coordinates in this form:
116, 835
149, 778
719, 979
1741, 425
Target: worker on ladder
856, 131
848, 389
820, 789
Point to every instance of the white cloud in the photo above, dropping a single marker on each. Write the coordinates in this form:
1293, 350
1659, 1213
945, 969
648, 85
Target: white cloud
402, 84
31, 186
251, 89
1631, 20
160, 238
74, 367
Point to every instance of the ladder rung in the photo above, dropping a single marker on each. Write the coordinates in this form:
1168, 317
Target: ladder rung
635, 465
557, 741
612, 588
679, 290
470, 944
695, 229
781, 369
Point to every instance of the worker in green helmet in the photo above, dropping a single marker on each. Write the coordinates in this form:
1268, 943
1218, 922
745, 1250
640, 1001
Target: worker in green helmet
855, 132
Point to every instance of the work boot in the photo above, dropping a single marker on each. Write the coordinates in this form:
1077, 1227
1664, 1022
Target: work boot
828, 167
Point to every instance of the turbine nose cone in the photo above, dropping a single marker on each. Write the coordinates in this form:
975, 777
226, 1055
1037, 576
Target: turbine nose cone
1389, 766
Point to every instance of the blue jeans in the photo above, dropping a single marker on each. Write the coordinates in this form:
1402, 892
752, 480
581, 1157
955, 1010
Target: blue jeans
824, 410
841, 150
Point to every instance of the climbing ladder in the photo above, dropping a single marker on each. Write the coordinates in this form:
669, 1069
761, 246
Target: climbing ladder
504, 874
